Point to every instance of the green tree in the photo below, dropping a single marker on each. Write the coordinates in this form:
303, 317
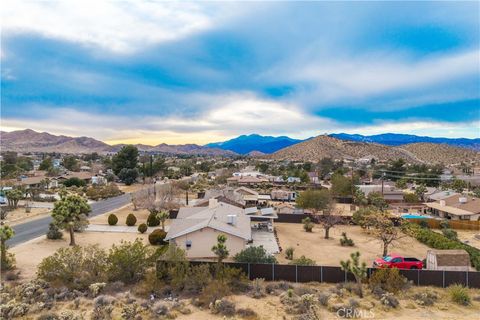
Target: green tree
46, 164
71, 209
6, 233
126, 158
376, 199
410, 198
458, 185
401, 183
71, 163
254, 255
307, 224
359, 270
74, 181
220, 249
359, 197
341, 185
420, 191
128, 176
314, 200
13, 196
303, 261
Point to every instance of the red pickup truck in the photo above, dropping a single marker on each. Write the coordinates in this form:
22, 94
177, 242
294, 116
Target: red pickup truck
396, 261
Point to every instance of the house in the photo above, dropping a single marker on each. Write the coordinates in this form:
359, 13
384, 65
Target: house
448, 260
438, 195
265, 217
196, 229
98, 180
313, 176
248, 195
390, 193
294, 180
456, 207
283, 195
245, 181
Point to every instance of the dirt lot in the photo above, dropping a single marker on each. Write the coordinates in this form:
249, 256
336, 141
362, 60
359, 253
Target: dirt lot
329, 251
20, 216
121, 214
133, 187
30, 254
469, 235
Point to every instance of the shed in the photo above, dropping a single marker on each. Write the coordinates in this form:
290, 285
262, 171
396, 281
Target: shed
448, 260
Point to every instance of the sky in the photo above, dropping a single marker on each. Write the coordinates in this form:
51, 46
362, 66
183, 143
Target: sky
199, 72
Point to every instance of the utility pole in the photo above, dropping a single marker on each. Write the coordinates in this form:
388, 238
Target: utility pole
383, 178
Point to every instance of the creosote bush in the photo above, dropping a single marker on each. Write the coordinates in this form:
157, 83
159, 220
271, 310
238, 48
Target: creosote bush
112, 219
131, 220
142, 228
289, 253
345, 241
388, 279
54, 232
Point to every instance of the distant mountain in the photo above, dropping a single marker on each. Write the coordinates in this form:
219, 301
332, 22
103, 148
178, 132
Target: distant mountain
395, 139
326, 146
255, 142
31, 141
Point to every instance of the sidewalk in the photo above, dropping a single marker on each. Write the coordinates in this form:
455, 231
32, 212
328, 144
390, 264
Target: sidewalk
119, 229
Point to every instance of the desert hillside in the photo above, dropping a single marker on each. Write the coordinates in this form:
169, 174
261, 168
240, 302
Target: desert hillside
325, 146
441, 153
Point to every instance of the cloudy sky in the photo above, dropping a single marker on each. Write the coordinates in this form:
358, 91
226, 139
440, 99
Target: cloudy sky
175, 72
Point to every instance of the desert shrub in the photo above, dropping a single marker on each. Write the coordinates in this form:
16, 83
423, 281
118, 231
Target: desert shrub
74, 267
160, 308
423, 223
439, 241
96, 288
128, 261
49, 316
303, 261
425, 298
254, 255
389, 300
11, 275
214, 291
450, 234
152, 220
258, 288
459, 294
173, 267
234, 278
246, 313
54, 232
388, 279
197, 278
307, 224
157, 237
74, 181
131, 220
112, 219
69, 315
289, 253
323, 298
444, 224
345, 241
276, 288
129, 311
142, 228
103, 300
223, 307
13, 309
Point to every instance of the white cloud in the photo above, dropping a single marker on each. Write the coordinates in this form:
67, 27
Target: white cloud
226, 117
329, 79
119, 26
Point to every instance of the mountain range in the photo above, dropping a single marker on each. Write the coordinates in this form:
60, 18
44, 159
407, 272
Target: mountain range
32, 141
255, 143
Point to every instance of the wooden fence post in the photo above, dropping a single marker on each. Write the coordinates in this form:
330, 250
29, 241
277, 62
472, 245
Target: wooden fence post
443, 279
321, 273
273, 272
296, 273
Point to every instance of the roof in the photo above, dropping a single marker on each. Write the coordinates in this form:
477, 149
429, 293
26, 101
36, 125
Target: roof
453, 205
191, 219
451, 257
440, 195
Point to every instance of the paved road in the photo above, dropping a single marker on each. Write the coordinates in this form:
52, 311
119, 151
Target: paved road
33, 229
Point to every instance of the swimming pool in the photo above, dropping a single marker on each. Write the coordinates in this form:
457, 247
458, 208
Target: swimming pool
414, 216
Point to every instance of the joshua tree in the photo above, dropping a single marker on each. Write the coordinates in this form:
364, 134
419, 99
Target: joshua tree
358, 270
68, 211
220, 249
6, 232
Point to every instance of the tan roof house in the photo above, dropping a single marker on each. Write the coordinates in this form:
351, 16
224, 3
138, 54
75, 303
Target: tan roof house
456, 207
448, 260
196, 229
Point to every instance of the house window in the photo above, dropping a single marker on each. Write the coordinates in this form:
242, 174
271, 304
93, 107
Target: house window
188, 244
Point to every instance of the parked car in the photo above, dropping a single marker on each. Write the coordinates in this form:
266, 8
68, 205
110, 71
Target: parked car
396, 261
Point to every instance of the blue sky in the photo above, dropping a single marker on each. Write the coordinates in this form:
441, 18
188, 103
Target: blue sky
201, 72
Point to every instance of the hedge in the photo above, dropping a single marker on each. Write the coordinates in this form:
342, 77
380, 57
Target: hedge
142, 228
112, 219
439, 241
131, 220
157, 237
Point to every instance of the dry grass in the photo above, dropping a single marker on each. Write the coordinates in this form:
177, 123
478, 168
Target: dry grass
19, 215
329, 251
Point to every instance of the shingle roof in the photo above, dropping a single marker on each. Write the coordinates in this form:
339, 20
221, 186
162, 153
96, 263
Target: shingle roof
190, 219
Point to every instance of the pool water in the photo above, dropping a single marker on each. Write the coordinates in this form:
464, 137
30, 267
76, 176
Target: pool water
414, 216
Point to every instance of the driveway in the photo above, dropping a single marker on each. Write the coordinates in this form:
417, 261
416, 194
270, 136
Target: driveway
265, 239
